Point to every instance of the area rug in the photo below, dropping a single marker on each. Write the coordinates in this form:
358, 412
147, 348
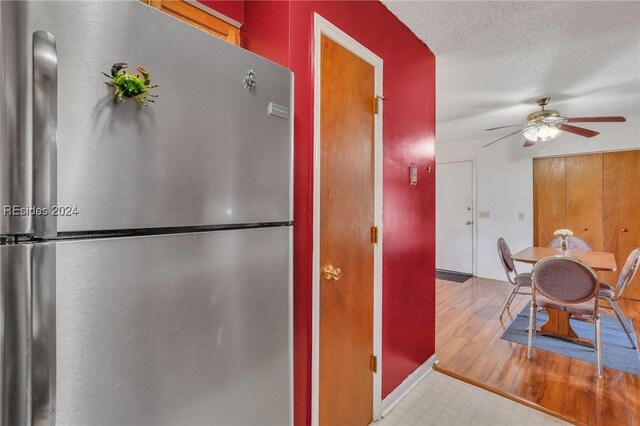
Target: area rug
457, 277
616, 348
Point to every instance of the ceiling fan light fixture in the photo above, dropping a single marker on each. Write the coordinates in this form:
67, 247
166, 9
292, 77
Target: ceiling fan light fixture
547, 124
541, 132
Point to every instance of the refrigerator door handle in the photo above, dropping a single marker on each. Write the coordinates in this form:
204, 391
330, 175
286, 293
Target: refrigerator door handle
45, 123
15, 334
43, 335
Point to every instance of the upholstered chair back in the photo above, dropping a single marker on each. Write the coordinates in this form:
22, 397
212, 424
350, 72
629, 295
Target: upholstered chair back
505, 255
566, 280
628, 272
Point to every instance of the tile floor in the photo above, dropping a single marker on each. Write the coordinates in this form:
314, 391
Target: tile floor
444, 401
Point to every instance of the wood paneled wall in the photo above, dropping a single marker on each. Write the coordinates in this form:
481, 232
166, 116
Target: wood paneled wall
595, 196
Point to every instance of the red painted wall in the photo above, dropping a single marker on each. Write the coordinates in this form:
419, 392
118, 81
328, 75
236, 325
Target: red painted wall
233, 9
283, 32
266, 30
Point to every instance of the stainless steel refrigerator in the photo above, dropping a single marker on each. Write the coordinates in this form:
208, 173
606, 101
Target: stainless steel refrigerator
145, 256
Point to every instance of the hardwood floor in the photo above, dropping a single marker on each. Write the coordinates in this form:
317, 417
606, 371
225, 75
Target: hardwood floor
468, 344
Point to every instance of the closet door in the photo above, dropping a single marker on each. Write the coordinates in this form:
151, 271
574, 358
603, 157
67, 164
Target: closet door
622, 210
549, 198
584, 198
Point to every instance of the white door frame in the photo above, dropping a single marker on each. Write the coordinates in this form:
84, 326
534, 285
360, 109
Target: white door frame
474, 207
324, 27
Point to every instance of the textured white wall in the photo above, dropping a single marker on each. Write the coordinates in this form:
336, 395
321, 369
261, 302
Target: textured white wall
504, 183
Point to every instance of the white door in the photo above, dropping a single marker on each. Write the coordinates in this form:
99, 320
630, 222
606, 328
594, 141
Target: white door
454, 216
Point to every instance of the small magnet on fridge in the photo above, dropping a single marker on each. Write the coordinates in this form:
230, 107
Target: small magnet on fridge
413, 175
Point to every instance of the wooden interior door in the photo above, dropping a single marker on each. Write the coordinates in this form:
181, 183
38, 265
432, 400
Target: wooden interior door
622, 210
549, 198
584, 198
346, 217
567, 193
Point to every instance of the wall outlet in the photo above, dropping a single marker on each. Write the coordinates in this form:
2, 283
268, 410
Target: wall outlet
520, 215
484, 214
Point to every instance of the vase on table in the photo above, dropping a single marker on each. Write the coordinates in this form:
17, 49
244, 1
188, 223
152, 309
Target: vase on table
564, 245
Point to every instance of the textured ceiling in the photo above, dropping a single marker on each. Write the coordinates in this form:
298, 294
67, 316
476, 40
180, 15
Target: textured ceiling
494, 58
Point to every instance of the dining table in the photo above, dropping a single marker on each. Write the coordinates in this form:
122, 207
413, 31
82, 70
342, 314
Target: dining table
558, 324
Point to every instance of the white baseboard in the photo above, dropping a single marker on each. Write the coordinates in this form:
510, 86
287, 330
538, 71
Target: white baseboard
407, 385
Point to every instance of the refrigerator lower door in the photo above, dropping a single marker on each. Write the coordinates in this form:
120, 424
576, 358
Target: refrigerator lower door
186, 329
15, 334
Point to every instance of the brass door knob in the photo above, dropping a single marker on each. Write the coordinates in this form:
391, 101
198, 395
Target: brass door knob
331, 273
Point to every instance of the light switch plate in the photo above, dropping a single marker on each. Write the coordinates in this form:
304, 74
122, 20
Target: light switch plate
413, 175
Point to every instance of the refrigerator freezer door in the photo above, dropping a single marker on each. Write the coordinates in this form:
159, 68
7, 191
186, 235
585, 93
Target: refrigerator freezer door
207, 151
186, 329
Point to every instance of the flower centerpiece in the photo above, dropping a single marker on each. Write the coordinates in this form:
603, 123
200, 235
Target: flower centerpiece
563, 234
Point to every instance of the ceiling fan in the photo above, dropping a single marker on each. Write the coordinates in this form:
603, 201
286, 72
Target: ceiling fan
548, 124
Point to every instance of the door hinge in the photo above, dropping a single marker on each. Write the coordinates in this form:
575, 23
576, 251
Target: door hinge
376, 103
374, 363
374, 235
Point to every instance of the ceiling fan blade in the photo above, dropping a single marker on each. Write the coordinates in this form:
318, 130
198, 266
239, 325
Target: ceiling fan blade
503, 127
497, 140
616, 119
581, 131
528, 143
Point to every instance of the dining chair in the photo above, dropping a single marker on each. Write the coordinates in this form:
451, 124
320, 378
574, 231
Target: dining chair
612, 294
577, 295
573, 243
518, 281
